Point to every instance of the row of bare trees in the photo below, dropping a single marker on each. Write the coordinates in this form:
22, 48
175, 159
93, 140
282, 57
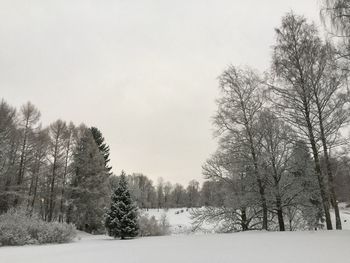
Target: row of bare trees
39, 166
277, 132
163, 195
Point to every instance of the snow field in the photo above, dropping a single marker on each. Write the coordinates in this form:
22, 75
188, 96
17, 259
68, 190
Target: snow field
269, 247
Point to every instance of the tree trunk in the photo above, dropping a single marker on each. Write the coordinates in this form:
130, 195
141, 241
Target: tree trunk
280, 214
60, 219
34, 193
329, 170
244, 222
263, 204
260, 185
52, 188
21, 164
35, 185
331, 186
53, 178
323, 192
255, 163
277, 178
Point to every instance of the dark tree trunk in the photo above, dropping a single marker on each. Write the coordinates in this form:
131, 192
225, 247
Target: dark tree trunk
257, 174
277, 179
53, 178
261, 187
280, 214
263, 204
60, 219
332, 192
244, 223
52, 188
21, 164
323, 191
36, 179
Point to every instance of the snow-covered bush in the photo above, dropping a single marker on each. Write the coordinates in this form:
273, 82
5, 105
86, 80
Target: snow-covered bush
56, 232
18, 228
12, 229
150, 226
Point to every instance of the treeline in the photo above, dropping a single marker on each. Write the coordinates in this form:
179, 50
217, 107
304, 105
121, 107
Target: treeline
281, 154
165, 195
60, 172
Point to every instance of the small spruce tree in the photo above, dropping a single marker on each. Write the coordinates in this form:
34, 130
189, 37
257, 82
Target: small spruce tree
121, 219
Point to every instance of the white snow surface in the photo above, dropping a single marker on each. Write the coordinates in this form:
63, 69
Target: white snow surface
271, 247
252, 246
178, 218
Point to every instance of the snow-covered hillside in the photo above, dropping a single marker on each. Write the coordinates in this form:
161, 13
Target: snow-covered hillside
178, 218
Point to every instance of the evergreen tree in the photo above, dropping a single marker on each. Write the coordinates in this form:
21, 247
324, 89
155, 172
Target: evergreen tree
102, 146
121, 220
89, 189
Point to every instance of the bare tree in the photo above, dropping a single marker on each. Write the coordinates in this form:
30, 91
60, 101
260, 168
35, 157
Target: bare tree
192, 193
335, 15
8, 153
330, 104
238, 111
29, 117
277, 143
160, 193
57, 131
295, 53
167, 194
68, 146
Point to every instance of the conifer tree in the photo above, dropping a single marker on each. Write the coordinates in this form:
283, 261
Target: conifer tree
89, 191
121, 219
102, 146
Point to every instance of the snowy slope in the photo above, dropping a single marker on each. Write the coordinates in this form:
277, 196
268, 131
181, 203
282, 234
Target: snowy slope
271, 247
179, 218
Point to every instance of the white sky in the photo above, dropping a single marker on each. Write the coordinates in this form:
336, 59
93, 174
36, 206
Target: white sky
144, 72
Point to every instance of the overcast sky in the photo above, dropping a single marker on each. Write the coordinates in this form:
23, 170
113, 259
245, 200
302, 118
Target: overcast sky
144, 72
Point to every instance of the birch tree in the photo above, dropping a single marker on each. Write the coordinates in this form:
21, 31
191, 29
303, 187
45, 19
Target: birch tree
238, 111
294, 64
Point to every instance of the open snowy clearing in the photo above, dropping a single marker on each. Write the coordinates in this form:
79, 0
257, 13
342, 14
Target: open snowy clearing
301, 247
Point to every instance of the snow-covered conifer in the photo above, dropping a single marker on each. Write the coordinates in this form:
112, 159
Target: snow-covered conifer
121, 219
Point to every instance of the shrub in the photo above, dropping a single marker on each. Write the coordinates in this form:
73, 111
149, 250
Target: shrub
150, 226
56, 233
19, 228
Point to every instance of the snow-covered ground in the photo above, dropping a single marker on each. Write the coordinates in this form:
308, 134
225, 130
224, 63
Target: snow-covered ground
254, 246
178, 218
345, 216
271, 247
